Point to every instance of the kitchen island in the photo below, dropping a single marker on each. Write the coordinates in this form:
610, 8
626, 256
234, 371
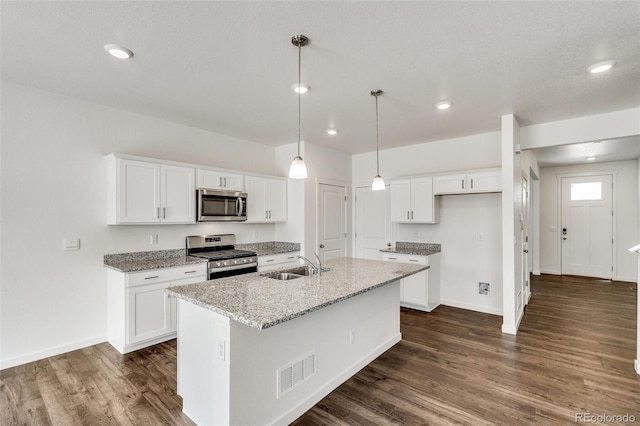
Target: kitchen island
255, 350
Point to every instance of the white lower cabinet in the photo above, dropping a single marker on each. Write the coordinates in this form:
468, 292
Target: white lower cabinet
422, 290
140, 313
278, 261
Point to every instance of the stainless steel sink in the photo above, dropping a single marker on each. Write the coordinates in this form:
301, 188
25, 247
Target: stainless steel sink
290, 274
282, 276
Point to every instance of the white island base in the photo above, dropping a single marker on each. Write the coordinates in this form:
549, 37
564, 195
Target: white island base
230, 373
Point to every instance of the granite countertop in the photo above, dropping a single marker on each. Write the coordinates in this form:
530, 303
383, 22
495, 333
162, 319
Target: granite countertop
261, 302
148, 260
270, 247
419, 249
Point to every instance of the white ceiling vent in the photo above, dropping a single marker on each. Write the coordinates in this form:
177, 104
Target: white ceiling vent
291, 375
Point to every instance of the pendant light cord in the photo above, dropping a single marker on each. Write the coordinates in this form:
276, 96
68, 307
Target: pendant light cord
299, 93
377, 142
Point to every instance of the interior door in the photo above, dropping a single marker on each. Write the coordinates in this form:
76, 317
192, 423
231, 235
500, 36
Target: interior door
587, 226
332, 234
524, 211
373, 223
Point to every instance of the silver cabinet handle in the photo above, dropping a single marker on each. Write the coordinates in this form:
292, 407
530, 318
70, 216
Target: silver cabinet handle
220, 181
269, 260
408, 217
471, 183
150, 278
225, 182
269, 214
292, 257
190, 272
266, 214
164, 213
392, 258
462, 183
411, 214
412, 260
158, 213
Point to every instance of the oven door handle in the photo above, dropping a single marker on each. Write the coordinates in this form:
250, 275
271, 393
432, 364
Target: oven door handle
233, 267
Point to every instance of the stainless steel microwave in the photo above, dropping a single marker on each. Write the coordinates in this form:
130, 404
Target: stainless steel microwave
221, 206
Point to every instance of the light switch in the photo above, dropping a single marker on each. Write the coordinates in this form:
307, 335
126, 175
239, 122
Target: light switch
220, 346
71, 244
153, 239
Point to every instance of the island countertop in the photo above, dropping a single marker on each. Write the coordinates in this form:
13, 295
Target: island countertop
262, 302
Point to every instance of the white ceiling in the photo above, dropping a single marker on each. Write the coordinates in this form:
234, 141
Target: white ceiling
229, 66
607, 150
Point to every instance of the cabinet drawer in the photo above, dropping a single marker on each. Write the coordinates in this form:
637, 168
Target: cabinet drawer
165, 274
277, 259
406, 258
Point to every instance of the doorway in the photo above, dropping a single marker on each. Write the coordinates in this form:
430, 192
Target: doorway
587, 226
332, 233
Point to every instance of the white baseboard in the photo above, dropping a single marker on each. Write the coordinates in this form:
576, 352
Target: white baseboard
471, 307
325, 390
550, 272
509, 329
45, 353
636, 364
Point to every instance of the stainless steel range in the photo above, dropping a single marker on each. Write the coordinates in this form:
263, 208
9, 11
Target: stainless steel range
224, 259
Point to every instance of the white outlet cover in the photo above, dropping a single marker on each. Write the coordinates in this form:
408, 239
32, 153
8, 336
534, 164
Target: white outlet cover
71, 244
220, 347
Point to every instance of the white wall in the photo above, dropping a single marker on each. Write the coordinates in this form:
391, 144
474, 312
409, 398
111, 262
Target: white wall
582, 129
53, 177
626, 218
465, 260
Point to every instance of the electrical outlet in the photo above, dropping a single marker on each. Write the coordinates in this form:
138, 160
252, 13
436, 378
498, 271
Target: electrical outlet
220, 345
153, 239
352, 336
483, 288
71, 244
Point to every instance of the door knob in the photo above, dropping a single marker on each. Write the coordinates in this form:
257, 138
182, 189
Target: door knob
526, 251
388, 244
321, 245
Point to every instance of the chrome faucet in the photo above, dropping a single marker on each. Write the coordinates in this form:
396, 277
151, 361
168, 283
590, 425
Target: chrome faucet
315, 269
319, 264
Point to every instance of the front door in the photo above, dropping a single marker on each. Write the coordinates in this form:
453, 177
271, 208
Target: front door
587, 226
332, 236
373, 223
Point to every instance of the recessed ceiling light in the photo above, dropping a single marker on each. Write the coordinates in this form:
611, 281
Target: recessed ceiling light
303, 88
590, 158
601, 67
332, 132
118, 51
444, 105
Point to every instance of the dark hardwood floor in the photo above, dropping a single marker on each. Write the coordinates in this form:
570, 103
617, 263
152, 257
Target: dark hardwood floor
573, 354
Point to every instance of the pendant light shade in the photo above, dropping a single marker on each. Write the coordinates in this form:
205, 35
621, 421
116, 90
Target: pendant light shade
378, 182
298, 169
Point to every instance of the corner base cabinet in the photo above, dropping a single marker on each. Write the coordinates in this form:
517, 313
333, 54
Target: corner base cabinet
422, 290
139, 313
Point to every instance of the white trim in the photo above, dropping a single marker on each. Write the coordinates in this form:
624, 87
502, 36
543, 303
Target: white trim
471, 307
311, 400
53, 351
550, 272
626, 279
636, 364
537, 273
614, 176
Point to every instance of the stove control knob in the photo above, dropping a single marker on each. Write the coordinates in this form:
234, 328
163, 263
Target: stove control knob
244, 260
219, 264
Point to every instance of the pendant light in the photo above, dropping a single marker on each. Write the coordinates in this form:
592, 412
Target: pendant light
378, 182
298, 169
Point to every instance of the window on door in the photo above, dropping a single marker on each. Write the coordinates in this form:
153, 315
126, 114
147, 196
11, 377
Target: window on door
587, 191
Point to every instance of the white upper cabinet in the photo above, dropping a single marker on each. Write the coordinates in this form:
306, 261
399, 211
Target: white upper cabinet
412, 201
143, 192
472, 182
214, 179
266, 199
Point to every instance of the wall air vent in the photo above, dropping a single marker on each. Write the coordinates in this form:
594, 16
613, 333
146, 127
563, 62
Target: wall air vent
291, 375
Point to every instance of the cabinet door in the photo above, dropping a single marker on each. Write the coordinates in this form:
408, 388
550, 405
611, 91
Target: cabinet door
233, 182
256, 199
414, 289
149, 312
277, 200
209, 179
139, 192
450, 184
484, 182
400, 200
422, 200
178, 194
